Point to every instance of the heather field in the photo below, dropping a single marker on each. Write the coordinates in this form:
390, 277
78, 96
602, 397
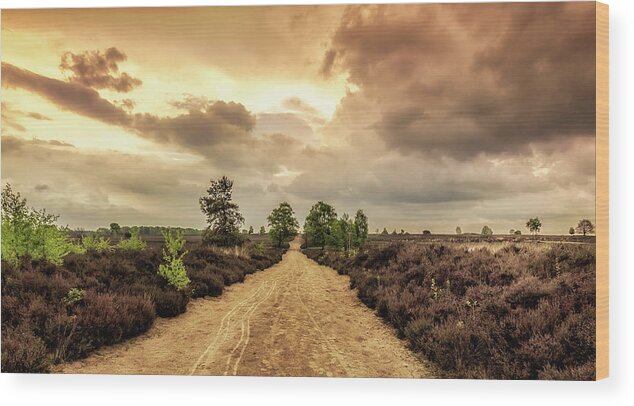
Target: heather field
502, 307
54, 313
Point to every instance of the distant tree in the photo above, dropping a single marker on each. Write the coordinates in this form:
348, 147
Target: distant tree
360, 229
377, 231
458, 230
262, 230
584, 227
512, 231
319, 223
402, 231
534, 225
384, 232
250, 229
571, 231
342, 233
223, 215
426, 232
282, 224
486, 230
394, 232
115, 228
518, 232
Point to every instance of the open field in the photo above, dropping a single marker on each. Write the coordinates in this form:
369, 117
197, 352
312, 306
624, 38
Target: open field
483, 308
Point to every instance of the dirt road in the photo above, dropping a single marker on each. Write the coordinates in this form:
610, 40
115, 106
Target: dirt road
296, 318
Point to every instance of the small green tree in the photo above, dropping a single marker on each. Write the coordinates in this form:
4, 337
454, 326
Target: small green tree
486, 230
518, 232
534, 225
384, 232
394, 232
262, 230
360, 229
584, 227
458, 230
571, 231
282, 224
319, 223
31, 232
426, 232
97, 244
173, 269
250, 229
134, 243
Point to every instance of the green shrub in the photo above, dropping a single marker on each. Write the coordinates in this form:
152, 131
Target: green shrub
30, 232
74, 295
134, 243
173, 270
97, 244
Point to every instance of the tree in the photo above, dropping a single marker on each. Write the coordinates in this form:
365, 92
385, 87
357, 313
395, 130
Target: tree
426, 232
318, 224
341, 234
384, 232
115, 228
250, 229
458, 230
511, 231
394, 232
360, 228
486, 230
518, 232
282, 224
223, 215
584, 227
534, 225
262, 230
571, 231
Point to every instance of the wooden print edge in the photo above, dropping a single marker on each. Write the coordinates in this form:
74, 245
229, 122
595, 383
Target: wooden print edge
602, 191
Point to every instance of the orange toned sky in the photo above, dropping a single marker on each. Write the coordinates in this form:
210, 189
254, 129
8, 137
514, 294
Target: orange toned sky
427, 116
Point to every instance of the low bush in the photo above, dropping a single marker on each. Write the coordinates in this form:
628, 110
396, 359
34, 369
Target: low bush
520, 312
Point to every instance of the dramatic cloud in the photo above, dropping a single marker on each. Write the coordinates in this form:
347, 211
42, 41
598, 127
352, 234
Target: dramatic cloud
427, 116
98, 70
199, 130
73, 97
462, 80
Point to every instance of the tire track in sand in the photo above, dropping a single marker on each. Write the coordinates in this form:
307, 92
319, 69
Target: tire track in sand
296, 318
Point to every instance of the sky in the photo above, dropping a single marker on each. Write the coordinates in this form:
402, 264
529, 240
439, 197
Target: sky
426, 116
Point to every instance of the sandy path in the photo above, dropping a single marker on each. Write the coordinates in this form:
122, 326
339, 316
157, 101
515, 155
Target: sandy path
296, 318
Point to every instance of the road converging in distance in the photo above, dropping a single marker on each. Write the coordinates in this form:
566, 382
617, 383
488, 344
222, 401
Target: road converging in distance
296, 318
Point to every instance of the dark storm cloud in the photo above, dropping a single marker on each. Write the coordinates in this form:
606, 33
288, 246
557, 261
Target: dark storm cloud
216, 123
98, 70
461, 80
72, 97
